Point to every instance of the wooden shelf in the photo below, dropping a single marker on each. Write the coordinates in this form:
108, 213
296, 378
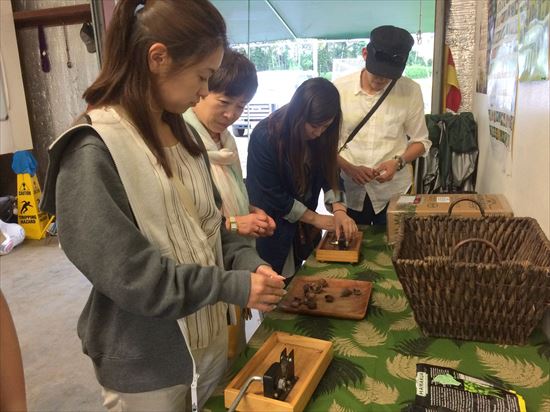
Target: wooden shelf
55, 16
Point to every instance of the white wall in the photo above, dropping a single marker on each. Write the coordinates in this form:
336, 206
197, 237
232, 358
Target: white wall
526, 183
522, 174
15, 133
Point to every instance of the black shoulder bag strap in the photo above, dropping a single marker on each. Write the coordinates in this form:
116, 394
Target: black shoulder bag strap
368, 115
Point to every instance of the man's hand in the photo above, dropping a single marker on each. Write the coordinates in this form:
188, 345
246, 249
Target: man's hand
359, 174
266, 289
386, 170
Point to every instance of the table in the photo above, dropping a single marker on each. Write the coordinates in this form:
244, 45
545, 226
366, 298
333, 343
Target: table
374, 363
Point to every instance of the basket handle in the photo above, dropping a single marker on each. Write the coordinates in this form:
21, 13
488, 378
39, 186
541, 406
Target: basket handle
476, 239
453, 204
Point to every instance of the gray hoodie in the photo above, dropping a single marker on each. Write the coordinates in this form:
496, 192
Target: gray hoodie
129, 324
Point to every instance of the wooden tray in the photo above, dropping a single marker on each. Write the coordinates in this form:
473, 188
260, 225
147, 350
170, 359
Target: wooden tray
312, 357
326, 252
350, 307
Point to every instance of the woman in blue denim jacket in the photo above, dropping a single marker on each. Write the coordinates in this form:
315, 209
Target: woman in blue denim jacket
291, 157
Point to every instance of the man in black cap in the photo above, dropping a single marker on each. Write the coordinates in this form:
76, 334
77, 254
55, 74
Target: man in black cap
374, 162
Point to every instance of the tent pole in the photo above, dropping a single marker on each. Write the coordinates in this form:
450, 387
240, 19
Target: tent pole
283, 22
439, 54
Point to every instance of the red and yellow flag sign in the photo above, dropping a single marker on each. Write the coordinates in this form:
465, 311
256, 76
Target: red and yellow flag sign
452, 95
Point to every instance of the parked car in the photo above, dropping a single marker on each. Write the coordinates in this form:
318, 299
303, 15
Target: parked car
275, 88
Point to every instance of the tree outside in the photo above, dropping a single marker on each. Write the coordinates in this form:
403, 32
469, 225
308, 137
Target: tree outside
300, 55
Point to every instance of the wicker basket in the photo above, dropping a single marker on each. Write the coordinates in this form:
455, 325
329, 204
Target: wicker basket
485, 279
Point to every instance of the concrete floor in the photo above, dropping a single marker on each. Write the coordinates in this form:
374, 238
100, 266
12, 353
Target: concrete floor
46, 294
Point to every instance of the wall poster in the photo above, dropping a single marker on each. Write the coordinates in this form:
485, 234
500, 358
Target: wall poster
485, 31
533, 40
503, 70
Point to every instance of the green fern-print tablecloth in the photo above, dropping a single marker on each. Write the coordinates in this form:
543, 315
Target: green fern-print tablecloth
375, 359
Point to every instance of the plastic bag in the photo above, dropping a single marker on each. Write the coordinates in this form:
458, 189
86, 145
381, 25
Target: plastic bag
14, 235
23, 162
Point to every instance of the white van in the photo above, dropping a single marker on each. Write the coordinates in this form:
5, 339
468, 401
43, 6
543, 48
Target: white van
275, 88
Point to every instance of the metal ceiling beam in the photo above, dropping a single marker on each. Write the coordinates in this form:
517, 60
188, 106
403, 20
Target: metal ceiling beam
280, 18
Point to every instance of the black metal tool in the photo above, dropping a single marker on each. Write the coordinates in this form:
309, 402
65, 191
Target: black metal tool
279, 379
342, 242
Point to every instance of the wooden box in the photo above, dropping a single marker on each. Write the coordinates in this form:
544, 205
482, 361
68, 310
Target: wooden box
349, 307
311, 356
438, 204
328, 252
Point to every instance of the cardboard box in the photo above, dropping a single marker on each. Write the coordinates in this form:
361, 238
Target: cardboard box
438, 204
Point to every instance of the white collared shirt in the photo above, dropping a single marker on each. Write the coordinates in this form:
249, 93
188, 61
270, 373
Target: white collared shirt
382, 137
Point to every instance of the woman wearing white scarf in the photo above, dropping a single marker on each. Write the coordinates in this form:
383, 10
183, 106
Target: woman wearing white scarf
231, 88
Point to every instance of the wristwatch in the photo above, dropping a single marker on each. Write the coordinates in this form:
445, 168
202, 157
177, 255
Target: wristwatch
400, 162
233, 224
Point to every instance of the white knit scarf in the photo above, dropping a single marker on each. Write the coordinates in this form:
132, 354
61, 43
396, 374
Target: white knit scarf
225, 166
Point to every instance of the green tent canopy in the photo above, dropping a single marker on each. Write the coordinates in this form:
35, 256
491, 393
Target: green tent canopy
268, 20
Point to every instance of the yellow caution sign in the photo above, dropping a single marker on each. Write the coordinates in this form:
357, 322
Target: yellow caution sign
29, 215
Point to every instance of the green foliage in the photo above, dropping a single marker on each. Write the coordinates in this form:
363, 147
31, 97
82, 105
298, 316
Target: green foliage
298, 55
280, 55
415, 59
418, 72
286, 55
328, 51
340, 372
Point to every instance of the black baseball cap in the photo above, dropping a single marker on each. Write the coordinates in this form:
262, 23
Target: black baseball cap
388, 51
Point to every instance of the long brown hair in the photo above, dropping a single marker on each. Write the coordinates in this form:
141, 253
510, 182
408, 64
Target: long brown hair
190, 30
315, 102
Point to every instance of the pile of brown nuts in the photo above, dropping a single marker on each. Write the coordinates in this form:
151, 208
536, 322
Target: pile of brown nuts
348, 292
312, 289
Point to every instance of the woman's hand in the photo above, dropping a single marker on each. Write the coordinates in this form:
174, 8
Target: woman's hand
255, 225
323, 222
271, 223
266, 289
344, 224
